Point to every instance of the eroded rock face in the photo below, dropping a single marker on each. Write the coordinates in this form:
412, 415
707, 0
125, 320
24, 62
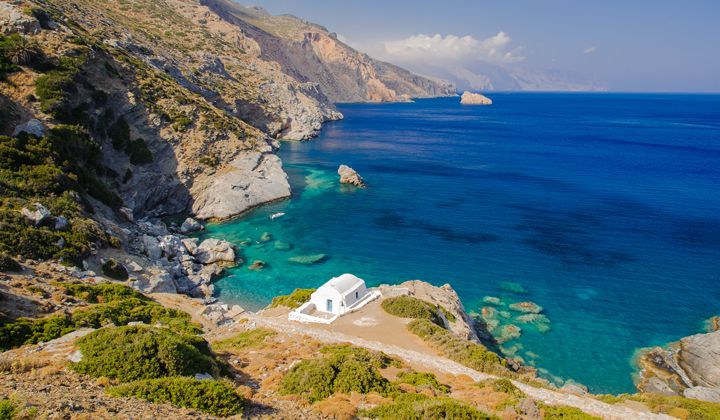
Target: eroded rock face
690, 367
249, 180
348, 175
469, 98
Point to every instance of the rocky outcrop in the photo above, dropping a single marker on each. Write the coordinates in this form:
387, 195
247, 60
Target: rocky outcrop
348, 175
249, 180
444, 296
33, 127
12, 19
38, 216
690, 367
190, 225
469, 98
214, 250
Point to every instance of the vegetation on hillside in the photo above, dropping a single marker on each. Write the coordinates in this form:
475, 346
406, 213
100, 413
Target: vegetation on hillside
411, 307
563, 412
422, 380
213, 397
293, 300
343, 368
245, 339
420, 407
465, 352
137, 352
676, 406
111, 303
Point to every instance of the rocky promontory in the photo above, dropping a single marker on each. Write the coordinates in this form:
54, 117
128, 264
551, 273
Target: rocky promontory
470, 98
348, 175
689, 367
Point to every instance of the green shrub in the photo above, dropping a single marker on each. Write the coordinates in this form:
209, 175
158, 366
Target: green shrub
465, 352
52, 87
688, 408
114, 270
119, 133
246, 339
504, 385
213, 397
343, 369
19, 50
563, 412
341, 353
8, 264
133, 352
410, 307
293, 300
30, 331
7, 410
420, 407
121, 305
138, 152
422, 380
101, 293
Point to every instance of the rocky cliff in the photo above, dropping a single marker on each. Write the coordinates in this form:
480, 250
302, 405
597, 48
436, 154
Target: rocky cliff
309, 52
690, 367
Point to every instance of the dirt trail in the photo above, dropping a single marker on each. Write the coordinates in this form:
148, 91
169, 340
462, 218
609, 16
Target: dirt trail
586, 404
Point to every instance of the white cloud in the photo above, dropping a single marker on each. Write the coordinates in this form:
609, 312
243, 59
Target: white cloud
589, 50
441, 49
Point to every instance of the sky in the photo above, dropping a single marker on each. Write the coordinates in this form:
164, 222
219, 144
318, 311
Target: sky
630, 45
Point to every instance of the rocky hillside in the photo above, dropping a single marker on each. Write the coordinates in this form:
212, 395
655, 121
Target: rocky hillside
309, 52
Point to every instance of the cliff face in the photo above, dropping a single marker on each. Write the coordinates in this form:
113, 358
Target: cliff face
309, 52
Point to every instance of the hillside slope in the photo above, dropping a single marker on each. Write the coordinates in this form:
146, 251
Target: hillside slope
309, 52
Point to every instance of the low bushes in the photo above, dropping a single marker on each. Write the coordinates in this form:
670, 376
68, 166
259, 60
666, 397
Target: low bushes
563, 412
343, 369
213, 397
138, 152
681, 407
52, 87
293, 300
7, 410
246, 339
422, 380
8, 264
133, 352
420, 407
465, 352
114, 303
410, 307
114, 270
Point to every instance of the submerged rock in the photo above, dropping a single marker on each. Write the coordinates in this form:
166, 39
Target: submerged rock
541, 322
266, 237
508, 332
712, 324
512, 287
348, 175
308, 259
282, 246
527, 307
257, 265
492, 300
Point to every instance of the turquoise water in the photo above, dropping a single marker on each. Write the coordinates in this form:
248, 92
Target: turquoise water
604, 208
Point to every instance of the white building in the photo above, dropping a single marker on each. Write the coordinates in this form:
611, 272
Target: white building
342, 294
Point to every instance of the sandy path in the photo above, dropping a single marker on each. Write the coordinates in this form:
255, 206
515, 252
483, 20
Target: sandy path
587, 404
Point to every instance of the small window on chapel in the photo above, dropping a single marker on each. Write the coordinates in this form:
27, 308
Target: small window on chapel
356, 295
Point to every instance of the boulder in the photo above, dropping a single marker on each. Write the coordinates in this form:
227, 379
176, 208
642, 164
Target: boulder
160, 281
214, 250
33, 127
61, 223
190, 244
152, 247
699, 357
12, 19
38, 216
349, 176
171, 246
469, 98
190, 225
127, 214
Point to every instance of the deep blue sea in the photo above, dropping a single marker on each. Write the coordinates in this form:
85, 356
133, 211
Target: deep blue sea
604, 208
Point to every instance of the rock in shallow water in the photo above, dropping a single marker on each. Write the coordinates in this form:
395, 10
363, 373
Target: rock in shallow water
469, 98
308, 259
214, 250
348, 175
527, 307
